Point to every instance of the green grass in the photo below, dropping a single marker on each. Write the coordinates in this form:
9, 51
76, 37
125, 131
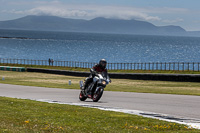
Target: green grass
125, 85
26, 116
111, 71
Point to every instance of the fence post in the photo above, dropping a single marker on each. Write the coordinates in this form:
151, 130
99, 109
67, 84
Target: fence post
165, 66
156, 65
149, 66
178, 66
137, 66
161, 66
193, 66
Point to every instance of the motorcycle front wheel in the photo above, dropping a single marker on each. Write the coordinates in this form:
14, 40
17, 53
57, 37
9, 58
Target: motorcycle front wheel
97, 95
82, 97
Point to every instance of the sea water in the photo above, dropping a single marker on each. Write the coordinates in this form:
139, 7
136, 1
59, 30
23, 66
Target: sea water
91, 47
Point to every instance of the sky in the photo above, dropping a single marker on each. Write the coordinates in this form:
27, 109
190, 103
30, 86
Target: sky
184, 13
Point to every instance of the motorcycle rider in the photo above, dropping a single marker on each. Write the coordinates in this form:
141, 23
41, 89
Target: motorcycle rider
98, 68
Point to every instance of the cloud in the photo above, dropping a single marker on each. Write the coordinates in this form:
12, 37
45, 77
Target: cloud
54, 11
57, 8
83, 11
172, 21
165, 10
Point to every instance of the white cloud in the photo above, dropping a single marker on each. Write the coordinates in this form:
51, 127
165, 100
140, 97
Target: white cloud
62, 12
165, 10
172, 21
57, 8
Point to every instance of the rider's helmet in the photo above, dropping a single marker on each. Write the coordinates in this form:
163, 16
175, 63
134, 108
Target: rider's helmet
102, 63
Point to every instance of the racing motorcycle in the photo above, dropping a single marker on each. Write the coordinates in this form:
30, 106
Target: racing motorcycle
95, 89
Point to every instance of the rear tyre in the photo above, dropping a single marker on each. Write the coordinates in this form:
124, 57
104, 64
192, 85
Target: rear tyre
82, 97
97, 95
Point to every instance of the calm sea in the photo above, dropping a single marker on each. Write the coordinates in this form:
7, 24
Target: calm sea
89, 47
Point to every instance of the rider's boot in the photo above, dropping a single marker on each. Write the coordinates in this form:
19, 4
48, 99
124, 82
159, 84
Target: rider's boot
87, 80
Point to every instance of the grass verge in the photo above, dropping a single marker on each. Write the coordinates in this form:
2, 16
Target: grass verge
18, 115
111, 71
125, 85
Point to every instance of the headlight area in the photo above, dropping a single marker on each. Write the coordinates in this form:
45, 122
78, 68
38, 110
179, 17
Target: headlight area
104, 82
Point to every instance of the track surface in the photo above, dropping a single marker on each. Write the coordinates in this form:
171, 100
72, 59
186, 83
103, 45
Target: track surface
174, 105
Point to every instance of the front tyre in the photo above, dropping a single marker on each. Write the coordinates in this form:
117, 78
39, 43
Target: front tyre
97, 95
82, 96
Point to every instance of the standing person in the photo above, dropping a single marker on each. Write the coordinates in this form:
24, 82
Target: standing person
101, 67
49, 61
52, 61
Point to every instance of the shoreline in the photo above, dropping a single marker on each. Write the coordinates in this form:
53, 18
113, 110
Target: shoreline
14, 37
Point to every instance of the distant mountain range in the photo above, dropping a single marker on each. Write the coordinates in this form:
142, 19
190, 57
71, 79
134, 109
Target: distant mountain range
97, 25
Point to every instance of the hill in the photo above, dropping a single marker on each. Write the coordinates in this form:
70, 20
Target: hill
97, 25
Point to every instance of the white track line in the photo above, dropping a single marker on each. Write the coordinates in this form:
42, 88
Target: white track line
193, 123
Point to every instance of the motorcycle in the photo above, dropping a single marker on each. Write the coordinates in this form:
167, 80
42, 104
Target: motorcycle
95, 89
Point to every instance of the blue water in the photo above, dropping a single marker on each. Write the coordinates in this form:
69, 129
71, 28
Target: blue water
89, 47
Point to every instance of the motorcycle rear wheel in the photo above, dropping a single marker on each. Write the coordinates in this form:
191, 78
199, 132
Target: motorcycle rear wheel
97, 95
82, 97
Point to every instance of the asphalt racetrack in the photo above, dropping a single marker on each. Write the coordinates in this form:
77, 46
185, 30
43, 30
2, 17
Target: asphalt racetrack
181, 108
